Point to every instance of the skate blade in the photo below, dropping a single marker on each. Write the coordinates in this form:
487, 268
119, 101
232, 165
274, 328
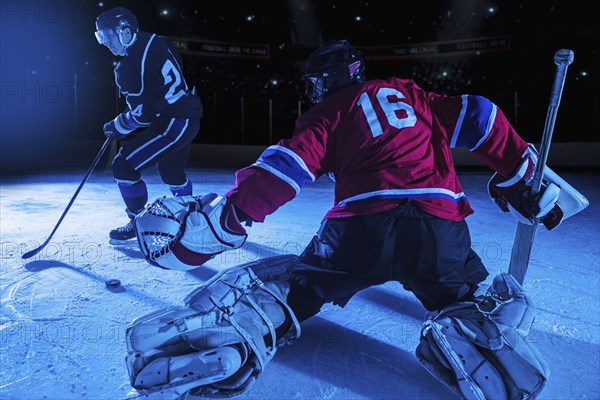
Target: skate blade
118, 242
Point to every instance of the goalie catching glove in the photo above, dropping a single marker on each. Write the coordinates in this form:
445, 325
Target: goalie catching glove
184, 232
556, 200
480, 348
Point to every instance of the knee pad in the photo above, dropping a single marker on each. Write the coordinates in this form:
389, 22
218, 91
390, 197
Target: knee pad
123, 171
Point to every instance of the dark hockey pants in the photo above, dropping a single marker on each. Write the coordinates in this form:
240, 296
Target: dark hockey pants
430, 256
167, 144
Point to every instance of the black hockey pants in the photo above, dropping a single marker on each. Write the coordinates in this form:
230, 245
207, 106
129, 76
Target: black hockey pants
430, 256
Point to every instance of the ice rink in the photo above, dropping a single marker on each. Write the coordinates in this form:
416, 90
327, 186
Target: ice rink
62, 332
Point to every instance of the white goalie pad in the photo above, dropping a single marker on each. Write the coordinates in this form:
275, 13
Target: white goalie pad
182, 233
218, 343
480, 348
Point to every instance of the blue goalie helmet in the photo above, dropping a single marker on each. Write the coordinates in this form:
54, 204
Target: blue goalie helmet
330, 67
113, 21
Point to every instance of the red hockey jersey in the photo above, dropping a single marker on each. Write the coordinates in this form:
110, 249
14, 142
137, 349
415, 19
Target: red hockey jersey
383, 142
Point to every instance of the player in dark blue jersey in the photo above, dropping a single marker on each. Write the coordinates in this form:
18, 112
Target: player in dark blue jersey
159, 103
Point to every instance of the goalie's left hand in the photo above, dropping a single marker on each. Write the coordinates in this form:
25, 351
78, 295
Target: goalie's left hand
200, 228
213, 229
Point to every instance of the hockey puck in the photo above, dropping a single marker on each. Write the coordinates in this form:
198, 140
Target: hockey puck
113, 283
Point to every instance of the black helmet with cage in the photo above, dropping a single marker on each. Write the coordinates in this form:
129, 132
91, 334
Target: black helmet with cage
332, 66
113, 22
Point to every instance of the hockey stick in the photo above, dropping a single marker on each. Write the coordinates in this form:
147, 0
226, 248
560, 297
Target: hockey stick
33, 252
525, 235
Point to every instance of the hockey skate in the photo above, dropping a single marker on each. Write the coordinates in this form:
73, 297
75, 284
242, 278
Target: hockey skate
125, 232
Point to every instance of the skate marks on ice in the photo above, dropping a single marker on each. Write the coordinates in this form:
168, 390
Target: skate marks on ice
331, 361
574, 366
47, 334
62, 332
401, 303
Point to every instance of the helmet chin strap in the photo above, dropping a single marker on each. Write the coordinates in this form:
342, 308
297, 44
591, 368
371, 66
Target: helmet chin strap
126, 45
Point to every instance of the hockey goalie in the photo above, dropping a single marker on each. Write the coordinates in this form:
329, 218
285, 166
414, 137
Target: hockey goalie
398, 216
222, 338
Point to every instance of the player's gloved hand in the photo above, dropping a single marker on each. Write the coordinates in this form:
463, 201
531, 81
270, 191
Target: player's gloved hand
184, 232
111, 131
213, 229
515, 195
231, 229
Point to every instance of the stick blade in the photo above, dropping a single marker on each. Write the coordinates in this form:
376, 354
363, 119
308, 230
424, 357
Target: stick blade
521, 251
31, 253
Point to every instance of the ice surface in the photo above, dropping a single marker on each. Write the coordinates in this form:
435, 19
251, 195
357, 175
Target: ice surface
62, 331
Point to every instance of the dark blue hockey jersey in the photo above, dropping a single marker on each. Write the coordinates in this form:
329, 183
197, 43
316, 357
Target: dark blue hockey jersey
151, 78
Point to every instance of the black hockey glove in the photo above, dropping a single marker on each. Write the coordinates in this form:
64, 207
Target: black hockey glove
111, 131
515, 195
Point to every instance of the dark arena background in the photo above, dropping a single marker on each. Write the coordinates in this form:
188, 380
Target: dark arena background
63, 323
246, 59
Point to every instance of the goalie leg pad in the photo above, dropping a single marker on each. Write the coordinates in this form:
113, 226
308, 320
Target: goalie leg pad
234, 312
176, 375
473, 375
480, 349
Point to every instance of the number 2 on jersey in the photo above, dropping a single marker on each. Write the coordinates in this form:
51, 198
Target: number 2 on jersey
171, 74
389, 109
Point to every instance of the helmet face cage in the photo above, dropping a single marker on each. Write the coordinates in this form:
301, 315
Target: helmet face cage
335, 65
111, 23
316, 87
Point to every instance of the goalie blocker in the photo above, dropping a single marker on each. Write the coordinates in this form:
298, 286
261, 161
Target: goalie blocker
556, 201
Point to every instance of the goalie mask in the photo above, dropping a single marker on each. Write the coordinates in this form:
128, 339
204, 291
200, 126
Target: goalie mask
333, 66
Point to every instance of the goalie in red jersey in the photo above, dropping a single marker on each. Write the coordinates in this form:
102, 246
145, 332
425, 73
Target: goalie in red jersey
399, 215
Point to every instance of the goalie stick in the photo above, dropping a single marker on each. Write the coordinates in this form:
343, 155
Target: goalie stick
525, 234
33, 252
